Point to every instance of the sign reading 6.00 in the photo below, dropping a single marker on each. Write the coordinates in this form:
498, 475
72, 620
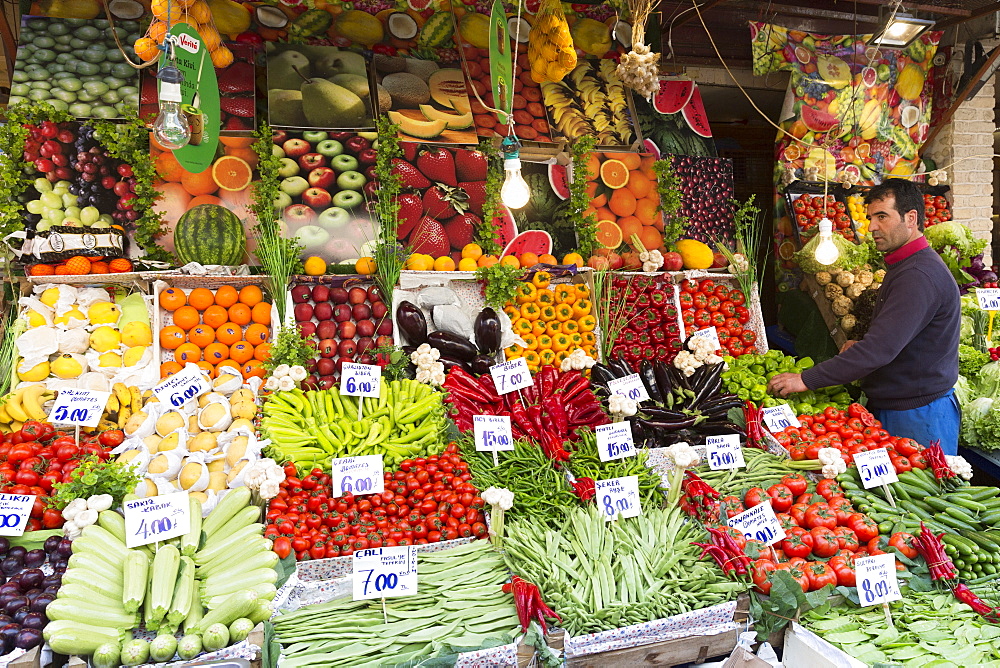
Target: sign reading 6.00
182, 387
361, 380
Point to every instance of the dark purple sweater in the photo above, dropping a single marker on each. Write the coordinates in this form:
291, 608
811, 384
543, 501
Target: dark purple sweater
909, 357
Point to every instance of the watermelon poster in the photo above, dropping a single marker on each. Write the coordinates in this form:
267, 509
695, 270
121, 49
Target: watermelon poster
676, 121
546, 210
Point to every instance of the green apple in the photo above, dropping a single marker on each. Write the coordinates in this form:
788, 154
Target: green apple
288, 168
348, 199
329, 148
351, 180
294, 185
314, 136
277, 151
311, 236
282, 200
334, 217
344, 163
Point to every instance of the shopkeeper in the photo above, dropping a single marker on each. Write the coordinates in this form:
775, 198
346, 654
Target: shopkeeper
907, 362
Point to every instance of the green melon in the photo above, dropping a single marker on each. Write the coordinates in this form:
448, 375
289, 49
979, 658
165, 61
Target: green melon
210, 234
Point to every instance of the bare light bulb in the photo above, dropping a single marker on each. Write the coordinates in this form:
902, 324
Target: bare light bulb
826, 251
514, 192
171, 127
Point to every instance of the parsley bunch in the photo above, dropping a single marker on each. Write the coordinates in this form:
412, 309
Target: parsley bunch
92, 477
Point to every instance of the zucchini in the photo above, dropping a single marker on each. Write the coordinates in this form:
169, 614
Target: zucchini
232, 502
222, 558
136, 579
195, 612
105, 537
65, 637
180, 603
192, 539
240, 604
87, 612
189, 647
264, 591
221, 547
163, 647
231, 585
239, 561
152, 621
97, 561
164, 580
89, 578
113, 522
243, 518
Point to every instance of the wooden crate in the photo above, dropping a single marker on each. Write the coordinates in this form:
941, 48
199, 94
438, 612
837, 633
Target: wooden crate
815, 291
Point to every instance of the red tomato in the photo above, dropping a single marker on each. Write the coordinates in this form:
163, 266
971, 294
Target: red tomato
825, 543
820, 575
829, 488
905, 543
754, 497
797, 543
761, 570
847, 539
842, 508
820, 515
798, 513
796, 483
864, 526
781, 498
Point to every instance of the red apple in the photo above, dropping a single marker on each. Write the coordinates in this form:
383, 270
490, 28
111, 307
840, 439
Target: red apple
307, 329
299, 213
303, 312
310, 383
300, 294
320, 293
311, 161
322, 177
374, 294
296, 148
367, 157
347, 330
379, 309
340, 363
326, 366
361, 311
338, 295
326, 330
384, 327
598, 262
366, 359
672, 261
347, 348
366, 328
630, 261
323, 311
279, 136
342, 312
719, 260
383, 341
317, 198
357, 295
312, 366
365, 343
328, 348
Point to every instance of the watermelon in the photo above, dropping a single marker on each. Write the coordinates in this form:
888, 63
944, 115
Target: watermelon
559, 180
818, 120
673, 95
651, 147
505, 225
210, 234
695, 116
532, 241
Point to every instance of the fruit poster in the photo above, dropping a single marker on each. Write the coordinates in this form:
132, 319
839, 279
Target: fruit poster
531, 120
318, 87
590, 101
676, 121
547, 210
625, 200
427, 100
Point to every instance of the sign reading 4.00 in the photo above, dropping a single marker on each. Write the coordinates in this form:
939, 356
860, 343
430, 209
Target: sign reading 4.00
156, 518
182, 387
361, 380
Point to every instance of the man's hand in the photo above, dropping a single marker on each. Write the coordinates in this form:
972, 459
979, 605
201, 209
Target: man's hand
786, 383
847, 344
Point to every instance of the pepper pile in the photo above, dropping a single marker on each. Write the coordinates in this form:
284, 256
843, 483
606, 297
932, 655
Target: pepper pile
707, 304
553, 320
947, 479
932, 550
554, 407
529, 603
652, 329
728, 554
747, 377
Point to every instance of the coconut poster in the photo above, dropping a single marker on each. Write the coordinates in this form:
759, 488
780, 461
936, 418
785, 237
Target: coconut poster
318, 87
426, 99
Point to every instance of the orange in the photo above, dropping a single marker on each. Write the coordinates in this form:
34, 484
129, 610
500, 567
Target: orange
251, 295
629, 225
171, 337
168, 168
247, 155
186, 317
510, 261
614, 173
78, 265
187, 352
146, 49
262, 352
444, 263
261, 313
234, 142
165, 10
215, 316
467, 264
169, 369
210, 35
204, 199
547, 258
99, 268
62, 270
201, 183
222, 57
639, 185
365, 266
216, 352
608, 234
528, 260
241, 352
487, 261
647, 211
226, 296
472, 251
593, 166
207, 368
240, 314
257, 333
201, 335
229, 333
254, 369
201, 298
42, 270
156, 32
200, 12
573, 258
631, 160
120, 265
232, 173
650, 237
622, 202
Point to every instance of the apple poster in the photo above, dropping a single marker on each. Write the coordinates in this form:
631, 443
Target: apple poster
317, 87
429, 101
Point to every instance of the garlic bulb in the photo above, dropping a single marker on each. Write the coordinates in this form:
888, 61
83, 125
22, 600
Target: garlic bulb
639, 70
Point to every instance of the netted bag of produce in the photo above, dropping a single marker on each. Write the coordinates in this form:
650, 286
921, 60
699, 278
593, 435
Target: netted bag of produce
195, 13
550, 44
851, 255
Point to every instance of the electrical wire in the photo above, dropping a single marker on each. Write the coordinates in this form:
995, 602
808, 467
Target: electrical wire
114, 33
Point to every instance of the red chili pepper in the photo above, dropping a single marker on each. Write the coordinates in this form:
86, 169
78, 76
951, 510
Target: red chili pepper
717, 553
584, 488
553, 408
930, 548
547, 378
967, 596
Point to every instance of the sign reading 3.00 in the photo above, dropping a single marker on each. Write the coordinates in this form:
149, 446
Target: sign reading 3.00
182, 387
14, 512
79, 407
361, 380
156, 518
511, 376
357, 475
492, 432
383, 572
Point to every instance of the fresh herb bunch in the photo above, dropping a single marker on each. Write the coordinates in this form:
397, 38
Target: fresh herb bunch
579, 201
610, 310
398, 367
388, 253
499, 284
288, 347
748, 231
129, 141
486, 234
94, 476
668, 186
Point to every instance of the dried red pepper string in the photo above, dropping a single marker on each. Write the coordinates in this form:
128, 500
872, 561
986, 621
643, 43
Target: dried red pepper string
755, 433
584, 488
935, 457
717, 553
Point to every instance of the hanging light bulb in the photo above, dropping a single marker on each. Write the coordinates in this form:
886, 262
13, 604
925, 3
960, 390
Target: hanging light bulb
514, 193
826, 251
171, 127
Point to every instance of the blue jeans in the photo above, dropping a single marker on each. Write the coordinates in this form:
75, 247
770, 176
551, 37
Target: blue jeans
938, 420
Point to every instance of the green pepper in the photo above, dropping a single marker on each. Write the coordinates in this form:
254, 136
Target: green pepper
748, 382
843, 398
805, 408
758, 393
757, 369
743, 394
805, 363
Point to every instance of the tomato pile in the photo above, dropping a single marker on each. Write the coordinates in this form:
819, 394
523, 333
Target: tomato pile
850, 431
38, 456
936, 210
810, 209
427, 500
652, 330
706, 303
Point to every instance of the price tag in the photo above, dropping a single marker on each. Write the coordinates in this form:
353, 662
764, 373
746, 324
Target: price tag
383, 572
511, 376
724, 452
182, 387
492, 433
989, 298
629, 386
875, 468
357, 475
709, 333
156, 519
877, 582
79, 407
778, 417
614, 441
618, 497
14, 512
361, 380
759, 523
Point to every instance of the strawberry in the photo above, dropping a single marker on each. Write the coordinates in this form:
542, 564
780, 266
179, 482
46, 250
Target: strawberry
438, 202
476, 194
438, 164
238, 106
470, 165
237, 78
409, 150
410, 211
461, 229
234, 123
429, 237
409, 177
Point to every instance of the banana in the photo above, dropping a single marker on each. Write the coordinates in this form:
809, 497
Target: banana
5, 417
104, 425
31, 401
16, 425
122, 392
14, 408
113, 405
123, 416
136, 397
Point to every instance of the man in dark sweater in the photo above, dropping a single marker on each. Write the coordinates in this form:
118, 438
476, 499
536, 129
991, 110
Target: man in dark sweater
908, 361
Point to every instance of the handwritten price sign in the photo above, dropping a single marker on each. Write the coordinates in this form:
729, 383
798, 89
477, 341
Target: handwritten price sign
629, 386
82, 408
618, 497
156, 519
14, 512
182, 387
357, 475
759, 523
777, 418
384, 572
724, 452
511, 376
988, 298
614, 441
877, 581
492, 433
710, 333
361, 380
875, 468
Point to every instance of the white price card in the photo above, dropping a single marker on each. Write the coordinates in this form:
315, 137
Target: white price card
777, 418
614, 441
724, 452
14, 512
361, 380
988, 298
630, 387
876, 579
492, 433
511, 376
618, 497
82, 408
360, 475
182, 387
383, 572
875, 468
156, 519
710, 333
759, 523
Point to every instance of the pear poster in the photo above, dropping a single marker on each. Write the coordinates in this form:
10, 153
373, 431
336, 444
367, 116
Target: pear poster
317, 87
427, 100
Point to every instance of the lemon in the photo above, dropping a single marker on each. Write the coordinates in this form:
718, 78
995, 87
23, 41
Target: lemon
109, 360
137, 333
695, 254
105, 338
34, 318
49, 297
133, 355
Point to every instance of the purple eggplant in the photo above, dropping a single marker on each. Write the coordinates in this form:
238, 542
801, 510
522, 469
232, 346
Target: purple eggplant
412, 323
9, 632
481, 364
34, 558
28, 638
15, 604
21, 613
42, 602
65, 550
453, 345
487, 330
17, 552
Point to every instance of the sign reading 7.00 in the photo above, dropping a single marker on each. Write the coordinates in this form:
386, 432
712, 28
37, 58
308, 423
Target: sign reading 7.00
511, 376
182, 387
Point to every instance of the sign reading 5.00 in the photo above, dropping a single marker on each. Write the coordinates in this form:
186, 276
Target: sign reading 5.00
79, 407
511, 376
724, 452
361, 380
629, 386
492, 432
357, 475
875, 468
156, 518
14, 512
182, 387
383, 572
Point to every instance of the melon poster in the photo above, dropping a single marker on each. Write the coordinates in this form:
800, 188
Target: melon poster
427, 100
623, 195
